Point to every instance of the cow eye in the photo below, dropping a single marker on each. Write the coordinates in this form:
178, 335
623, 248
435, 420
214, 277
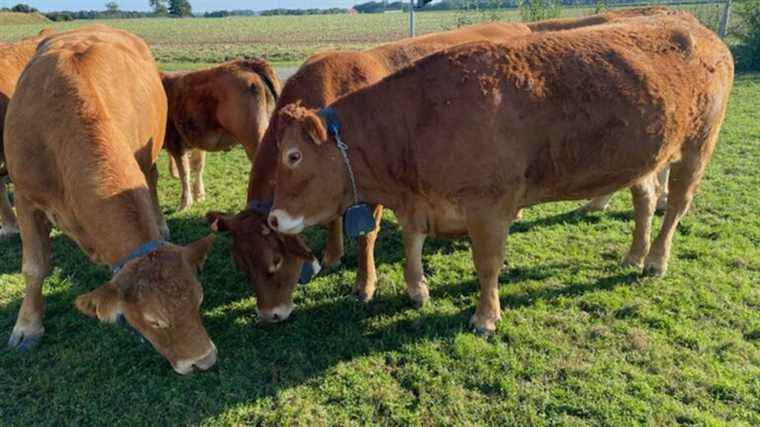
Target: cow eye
293, 158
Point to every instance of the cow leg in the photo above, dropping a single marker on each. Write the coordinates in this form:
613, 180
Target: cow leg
644, 200
173, 171
197, 164
488, 235
598, 204
684, 180
35, 238
662, 189
183, 166
152, 178
416, 283
8, 225
334, 247
366, 277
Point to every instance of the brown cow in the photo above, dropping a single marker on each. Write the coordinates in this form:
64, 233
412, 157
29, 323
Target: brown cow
272, 261
213, 110
90, 170
320, 80
13, 59
493, 128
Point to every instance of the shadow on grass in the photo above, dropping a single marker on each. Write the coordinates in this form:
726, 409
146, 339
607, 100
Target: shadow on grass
108, 370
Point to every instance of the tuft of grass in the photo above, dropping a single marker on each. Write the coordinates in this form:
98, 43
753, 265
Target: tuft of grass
582, 340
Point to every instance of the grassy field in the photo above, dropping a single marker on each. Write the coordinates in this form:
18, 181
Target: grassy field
14, 18
583, 340
186, 43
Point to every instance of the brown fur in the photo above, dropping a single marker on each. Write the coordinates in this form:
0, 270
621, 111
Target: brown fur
215, 109
90, 170
13, 59
494, 128
321, 79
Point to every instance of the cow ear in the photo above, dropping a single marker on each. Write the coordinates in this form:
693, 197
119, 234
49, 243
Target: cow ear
313, 127
295, 245
103, 303
196, 252
218, 221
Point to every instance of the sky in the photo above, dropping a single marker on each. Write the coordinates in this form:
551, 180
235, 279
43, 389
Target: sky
198, 5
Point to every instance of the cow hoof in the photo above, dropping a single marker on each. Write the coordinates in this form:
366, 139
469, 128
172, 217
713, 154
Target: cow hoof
199, 197
184, 207
419, 294
484, 327
364, 295
22, 342
632, 260
8, 232
331, 262
662, 205
654, 270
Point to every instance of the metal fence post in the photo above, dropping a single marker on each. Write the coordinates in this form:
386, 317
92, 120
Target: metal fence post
724, 20
411, 19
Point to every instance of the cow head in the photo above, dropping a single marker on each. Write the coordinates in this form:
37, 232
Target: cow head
311, 185
272, 261
159, 296
223, 105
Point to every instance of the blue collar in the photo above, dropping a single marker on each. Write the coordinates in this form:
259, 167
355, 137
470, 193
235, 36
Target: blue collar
332, 120
141, 251
260, 206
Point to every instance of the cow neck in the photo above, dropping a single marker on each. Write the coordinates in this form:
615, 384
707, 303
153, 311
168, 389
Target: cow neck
377, 145
112, 203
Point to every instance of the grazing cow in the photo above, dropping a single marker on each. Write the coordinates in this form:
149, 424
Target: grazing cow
13, 59
320, 80
90, 171
273, 261
493, 128
213, 110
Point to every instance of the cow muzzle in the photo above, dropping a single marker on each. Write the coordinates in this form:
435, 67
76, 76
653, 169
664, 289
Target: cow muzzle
276, 314
203, 363
284, 223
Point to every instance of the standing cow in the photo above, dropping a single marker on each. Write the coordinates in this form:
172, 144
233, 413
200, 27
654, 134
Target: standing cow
214, 110
90, 170
460, 141
13, 59
272, 261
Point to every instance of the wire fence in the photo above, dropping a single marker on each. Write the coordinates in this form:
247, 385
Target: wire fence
715, 14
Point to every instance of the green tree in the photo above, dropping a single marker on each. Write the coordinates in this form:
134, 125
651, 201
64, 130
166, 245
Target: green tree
112, 7
180, 8
160, 7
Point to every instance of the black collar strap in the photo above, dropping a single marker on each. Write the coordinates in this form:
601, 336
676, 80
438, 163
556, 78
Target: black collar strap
141, 251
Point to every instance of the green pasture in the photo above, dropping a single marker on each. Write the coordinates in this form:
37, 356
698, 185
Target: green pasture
583, 341
178, 43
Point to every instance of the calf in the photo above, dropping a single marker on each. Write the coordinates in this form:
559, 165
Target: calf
90, 171
213, 110
13, 59
457, 143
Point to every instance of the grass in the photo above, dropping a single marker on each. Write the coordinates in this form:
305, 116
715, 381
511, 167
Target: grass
15, 18
582, 341
289, 38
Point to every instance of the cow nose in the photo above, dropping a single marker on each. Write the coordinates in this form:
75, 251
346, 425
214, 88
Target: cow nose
207, 361
273, 221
